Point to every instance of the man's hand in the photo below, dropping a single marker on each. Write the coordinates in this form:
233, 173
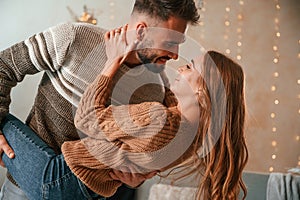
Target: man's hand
4, 147
131, 179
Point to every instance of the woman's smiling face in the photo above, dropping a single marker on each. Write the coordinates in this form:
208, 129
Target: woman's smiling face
187, 81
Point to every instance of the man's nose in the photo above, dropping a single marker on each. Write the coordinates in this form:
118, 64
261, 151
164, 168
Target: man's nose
174, 56
173, 53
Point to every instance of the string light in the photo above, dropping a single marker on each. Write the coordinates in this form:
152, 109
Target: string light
239, 31
229, 21
273, 115
276, 101
227, 24
298, 82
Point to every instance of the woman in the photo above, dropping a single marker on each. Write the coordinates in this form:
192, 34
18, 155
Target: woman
206, 118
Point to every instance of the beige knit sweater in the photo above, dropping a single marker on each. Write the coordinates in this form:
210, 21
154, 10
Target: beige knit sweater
147, 136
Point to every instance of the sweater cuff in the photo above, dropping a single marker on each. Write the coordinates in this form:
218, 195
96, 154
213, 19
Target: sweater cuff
88, 169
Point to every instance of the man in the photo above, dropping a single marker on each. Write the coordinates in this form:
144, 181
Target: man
71, 55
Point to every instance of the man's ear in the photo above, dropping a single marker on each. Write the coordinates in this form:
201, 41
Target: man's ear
141, 30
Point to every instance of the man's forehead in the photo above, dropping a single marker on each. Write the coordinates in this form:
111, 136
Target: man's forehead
169, 35
176, 40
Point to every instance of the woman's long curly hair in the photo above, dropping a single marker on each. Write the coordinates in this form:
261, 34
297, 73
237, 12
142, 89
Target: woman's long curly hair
219, 151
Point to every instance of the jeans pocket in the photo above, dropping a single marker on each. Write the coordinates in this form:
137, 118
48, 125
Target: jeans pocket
65, 188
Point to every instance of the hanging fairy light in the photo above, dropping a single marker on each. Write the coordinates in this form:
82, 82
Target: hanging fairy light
227, 24
298, 82
239, 30
276, 101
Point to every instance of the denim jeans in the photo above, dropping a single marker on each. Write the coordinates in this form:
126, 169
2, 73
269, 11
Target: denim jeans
39, 172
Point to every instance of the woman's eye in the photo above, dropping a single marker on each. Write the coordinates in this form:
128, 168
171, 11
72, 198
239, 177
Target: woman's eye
188, 67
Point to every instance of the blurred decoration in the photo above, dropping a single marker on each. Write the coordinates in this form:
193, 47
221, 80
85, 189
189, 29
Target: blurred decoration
227, 23
239, 30
275, 144
233, 20
87, 16
298, 134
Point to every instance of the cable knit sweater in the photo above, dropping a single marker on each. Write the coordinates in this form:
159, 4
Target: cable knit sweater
70, 55
147, 136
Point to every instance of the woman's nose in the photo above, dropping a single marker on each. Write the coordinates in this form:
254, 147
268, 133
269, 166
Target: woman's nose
181, 69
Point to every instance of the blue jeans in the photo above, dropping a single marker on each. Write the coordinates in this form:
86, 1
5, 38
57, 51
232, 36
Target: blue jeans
39, 172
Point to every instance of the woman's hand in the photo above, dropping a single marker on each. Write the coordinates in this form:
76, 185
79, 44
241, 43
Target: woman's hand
117, 49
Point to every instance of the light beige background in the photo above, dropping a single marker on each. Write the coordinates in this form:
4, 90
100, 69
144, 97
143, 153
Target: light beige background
20, 19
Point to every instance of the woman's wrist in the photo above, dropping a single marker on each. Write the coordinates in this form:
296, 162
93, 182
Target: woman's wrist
110, 68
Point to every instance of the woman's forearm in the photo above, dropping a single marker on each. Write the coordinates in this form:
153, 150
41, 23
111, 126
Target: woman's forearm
110, 68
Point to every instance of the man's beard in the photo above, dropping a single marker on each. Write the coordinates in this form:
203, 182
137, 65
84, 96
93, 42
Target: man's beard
148, 60
155, 68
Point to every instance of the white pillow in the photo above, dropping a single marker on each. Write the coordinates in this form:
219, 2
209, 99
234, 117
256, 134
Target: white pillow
169, 192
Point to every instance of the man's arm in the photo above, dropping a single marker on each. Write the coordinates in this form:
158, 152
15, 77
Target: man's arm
14, 64
35, 54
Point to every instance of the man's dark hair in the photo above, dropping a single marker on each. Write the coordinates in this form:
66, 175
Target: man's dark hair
164, 9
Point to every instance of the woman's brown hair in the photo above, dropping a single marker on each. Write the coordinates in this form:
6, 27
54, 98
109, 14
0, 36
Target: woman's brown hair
219, 151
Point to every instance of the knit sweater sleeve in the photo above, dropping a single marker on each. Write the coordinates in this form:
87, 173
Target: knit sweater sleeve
134, 135
35, 54
14, 65
135, 125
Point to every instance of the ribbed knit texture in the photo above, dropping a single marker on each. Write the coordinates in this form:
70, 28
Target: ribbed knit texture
135, 134
71, 55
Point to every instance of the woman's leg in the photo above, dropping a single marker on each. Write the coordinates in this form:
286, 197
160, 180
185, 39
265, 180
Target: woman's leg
39, 172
